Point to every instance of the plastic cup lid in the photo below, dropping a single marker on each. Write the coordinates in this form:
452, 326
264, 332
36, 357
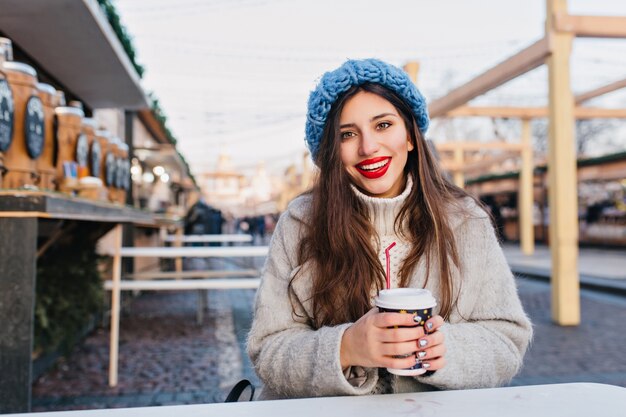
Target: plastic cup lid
69, 110
91, 181
91, 122
46, 88
405, 298
104, 133
20, 67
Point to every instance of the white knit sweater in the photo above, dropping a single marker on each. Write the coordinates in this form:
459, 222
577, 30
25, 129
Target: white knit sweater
486, 336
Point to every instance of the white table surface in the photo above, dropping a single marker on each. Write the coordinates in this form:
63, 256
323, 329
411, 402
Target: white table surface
567, 400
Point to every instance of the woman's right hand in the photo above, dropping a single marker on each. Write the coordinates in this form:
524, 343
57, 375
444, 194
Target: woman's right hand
374, 340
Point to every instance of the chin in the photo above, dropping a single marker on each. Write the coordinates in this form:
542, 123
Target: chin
376, 191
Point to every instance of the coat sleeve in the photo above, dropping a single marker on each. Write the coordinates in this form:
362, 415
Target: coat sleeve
489, 332
291, 358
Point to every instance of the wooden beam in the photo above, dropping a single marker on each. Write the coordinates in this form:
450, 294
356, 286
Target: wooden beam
591, 26
518, 64
525, 202
478, 146
150, 122
581, 98
562, 190
468, 166
598, 113
534, 112
499, 112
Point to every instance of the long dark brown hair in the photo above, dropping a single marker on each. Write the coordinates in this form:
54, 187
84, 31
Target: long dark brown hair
337, 240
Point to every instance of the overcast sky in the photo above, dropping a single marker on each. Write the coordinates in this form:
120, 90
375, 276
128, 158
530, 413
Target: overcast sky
234, 75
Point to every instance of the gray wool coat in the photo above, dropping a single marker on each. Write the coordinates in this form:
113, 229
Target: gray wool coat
486, 336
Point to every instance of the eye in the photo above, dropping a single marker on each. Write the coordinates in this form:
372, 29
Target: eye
383, 125
347, 135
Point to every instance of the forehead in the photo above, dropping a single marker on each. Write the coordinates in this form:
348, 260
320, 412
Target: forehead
363, 106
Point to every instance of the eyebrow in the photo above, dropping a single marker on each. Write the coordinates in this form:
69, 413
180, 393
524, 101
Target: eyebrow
380, 116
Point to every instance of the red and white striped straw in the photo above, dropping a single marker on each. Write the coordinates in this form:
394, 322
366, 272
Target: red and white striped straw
388, 277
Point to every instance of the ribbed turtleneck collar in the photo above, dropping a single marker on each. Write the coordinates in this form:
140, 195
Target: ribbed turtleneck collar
383, 211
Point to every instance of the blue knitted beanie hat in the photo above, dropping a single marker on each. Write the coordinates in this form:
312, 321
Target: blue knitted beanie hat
357, 72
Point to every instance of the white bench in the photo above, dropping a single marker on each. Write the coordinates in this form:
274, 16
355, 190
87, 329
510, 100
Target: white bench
201, 280
221, 273
179, 239
239, 238
177, 284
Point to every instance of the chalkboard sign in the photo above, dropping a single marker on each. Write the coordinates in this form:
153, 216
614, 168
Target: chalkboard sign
82, 150
96, 158
119, 173
126, 184
110, 165
34, 128
6, 115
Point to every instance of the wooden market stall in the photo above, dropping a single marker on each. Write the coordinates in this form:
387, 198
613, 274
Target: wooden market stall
47, 145
554, 50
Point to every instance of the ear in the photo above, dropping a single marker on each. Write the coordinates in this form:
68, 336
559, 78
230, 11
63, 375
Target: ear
409, 143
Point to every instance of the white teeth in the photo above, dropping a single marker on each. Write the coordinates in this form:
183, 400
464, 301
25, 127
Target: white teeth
372, 167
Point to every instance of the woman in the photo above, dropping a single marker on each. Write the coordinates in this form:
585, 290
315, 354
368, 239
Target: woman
315, 331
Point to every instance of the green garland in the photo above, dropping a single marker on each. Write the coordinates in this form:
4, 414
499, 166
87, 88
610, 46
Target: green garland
158, 112
162, 119
182, 158
122, 34
69, 295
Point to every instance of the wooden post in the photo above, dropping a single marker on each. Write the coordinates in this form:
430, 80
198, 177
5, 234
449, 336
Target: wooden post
525, 204
162, 235
18, 276
458, 175
307, 178
179, 242
412, 68
115, 306
562, 185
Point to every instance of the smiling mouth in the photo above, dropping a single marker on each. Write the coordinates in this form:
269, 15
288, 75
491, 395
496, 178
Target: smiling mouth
374, 168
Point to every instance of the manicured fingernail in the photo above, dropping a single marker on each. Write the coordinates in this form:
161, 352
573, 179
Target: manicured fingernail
417, 360
417, 319
423, 342
425, 365
421, 354
429, 325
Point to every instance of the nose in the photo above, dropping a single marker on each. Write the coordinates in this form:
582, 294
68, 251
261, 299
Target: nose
369, 145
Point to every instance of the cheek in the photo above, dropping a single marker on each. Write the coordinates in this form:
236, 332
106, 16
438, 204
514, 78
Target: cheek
345, 152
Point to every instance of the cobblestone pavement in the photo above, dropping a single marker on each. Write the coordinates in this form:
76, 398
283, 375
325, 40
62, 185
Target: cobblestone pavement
591, 352
166, 358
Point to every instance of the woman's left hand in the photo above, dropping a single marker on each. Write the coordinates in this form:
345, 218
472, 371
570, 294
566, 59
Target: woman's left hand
431, 349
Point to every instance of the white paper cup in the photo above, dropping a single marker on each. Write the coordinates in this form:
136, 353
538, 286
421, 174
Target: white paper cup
414, 301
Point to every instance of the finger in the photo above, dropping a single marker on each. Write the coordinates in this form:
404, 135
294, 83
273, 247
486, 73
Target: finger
398, 349
430, 340
432, 353
434, 364
433, 324
401, 334
398, 363
394, 319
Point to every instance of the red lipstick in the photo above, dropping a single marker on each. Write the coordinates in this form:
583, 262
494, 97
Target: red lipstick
377, 172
